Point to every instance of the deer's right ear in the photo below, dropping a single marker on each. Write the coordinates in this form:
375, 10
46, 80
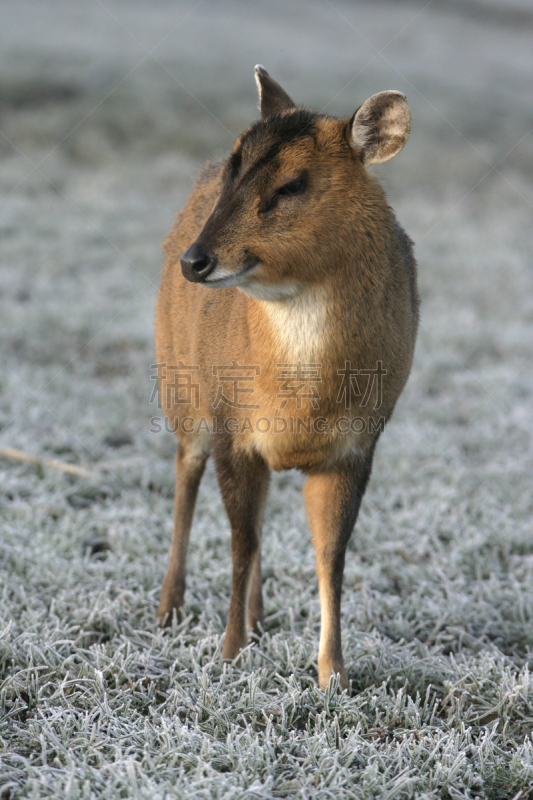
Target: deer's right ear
272, 97
380, 127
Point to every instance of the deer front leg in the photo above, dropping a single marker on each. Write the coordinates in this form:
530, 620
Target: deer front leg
190, 464
255, 600
332, 500
243, 483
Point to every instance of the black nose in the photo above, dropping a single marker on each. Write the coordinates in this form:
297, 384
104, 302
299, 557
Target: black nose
197, 263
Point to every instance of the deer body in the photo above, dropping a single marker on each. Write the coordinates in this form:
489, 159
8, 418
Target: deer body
285, 257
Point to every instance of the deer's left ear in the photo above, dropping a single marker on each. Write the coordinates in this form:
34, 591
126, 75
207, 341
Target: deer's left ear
380, 127
271, 96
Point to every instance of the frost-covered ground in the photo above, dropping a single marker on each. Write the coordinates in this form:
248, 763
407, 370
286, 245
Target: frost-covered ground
108, 110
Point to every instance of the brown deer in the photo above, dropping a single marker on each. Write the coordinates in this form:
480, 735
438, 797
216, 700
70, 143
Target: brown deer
286, 270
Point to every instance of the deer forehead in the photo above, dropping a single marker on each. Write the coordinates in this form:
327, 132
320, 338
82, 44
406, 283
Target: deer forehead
282, 145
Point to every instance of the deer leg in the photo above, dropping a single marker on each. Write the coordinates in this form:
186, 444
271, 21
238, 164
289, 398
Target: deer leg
191, 458
243, 483
255, 600
332, 499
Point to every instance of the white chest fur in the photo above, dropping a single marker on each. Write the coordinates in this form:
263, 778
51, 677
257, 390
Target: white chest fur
299, 325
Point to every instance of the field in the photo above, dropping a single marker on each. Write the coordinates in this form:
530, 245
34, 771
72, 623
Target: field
107, 111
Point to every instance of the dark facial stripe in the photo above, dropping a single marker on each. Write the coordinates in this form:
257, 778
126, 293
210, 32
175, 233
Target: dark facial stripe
234, 163
279, 130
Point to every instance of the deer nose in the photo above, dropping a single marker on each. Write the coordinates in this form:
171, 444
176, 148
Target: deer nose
197, 263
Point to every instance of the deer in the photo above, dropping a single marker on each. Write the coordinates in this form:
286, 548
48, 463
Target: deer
286, 265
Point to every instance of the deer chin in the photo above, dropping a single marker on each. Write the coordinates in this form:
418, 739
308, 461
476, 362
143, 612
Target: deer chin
222, 278
246, 281
273, 292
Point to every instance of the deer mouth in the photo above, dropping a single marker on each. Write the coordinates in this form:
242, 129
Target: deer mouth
221, 278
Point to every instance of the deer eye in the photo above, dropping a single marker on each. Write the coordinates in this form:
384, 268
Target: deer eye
290, 189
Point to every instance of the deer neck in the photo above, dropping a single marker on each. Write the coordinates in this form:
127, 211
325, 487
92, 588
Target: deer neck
295, 327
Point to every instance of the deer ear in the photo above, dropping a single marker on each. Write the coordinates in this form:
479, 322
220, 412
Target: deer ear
271, 96
380, 127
